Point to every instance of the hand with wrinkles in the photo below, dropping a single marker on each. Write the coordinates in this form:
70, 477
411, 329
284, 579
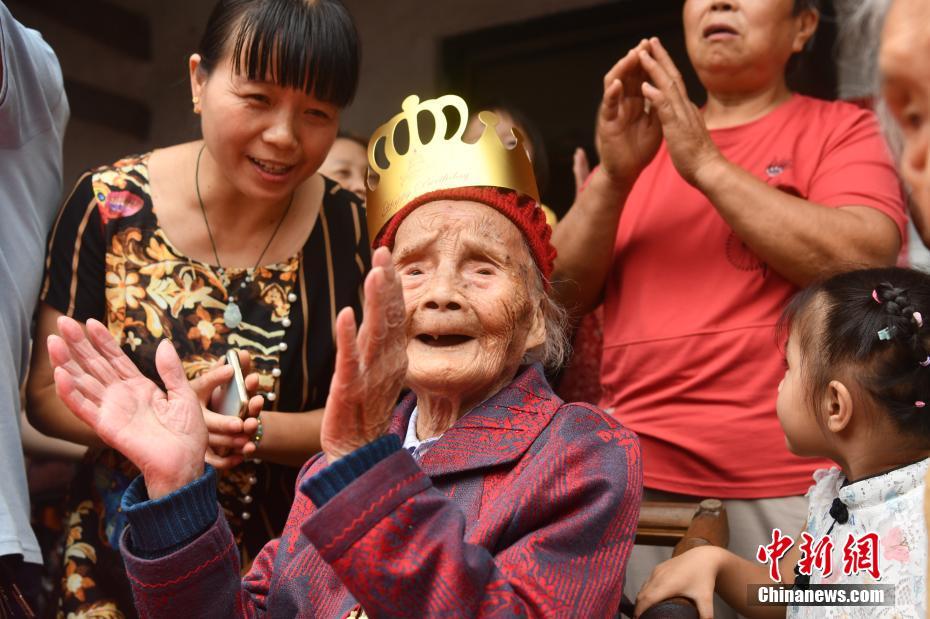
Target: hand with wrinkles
164, 434
370, 364
627, 136
686, 136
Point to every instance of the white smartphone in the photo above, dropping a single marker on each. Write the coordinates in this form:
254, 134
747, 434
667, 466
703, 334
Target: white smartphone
235, 399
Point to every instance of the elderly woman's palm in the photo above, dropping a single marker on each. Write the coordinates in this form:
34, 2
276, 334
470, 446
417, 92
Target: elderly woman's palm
370, 365
163, 434
154, 430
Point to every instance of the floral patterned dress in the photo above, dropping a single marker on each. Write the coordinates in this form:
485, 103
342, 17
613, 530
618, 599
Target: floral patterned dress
109, 259
888, 506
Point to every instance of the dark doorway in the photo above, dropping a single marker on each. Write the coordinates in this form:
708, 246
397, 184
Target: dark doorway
552, 68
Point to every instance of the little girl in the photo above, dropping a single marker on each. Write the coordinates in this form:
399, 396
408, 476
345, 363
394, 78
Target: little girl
856, 390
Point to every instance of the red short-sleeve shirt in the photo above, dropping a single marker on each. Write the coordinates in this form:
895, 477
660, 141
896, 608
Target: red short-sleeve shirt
691, 362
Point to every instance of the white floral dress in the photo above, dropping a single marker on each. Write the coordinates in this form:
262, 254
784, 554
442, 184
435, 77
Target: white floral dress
889, 505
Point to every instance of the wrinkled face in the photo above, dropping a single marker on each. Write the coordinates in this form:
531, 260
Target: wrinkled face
471, 313
742, 44
803, 435
265, 138
347, 164
905, 67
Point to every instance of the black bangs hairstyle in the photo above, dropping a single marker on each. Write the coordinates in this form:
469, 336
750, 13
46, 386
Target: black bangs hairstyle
308, 45
870, 325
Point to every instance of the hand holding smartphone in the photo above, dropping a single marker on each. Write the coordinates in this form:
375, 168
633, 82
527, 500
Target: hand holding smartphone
235, 398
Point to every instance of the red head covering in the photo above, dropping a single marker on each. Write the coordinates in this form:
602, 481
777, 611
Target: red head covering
523, 211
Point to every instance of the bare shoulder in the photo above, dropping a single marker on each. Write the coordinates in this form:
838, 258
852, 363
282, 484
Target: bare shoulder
166, 164
171, 178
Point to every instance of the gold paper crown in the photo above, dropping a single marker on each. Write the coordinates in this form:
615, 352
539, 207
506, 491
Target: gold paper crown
440, 162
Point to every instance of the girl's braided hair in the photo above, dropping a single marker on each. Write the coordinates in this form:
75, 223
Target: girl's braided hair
869, 324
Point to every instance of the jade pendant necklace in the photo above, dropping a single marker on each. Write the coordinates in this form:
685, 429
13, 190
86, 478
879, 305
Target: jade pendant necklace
232, 315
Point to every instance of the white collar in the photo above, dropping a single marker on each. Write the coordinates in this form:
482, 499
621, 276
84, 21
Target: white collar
880, 488
412, 442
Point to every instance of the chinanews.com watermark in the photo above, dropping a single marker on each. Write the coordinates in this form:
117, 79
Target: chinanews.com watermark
821, 595
860, 555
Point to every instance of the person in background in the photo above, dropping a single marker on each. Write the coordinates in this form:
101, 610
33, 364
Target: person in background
581, 379
347, 164
696, 229
33, 115
508, 119
904, 63
232, 242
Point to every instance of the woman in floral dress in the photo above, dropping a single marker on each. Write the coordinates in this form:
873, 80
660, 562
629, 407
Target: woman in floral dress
230, 242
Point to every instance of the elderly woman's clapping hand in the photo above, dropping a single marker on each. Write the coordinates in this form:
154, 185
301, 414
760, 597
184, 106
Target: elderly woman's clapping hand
370, 364
164, 434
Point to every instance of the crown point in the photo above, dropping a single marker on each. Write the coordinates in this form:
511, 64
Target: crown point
490, 119
410, 103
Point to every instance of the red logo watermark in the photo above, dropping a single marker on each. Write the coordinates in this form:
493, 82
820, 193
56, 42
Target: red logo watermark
859, 554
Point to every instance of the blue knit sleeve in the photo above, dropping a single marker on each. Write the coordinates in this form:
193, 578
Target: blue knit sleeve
326, 484
161, 526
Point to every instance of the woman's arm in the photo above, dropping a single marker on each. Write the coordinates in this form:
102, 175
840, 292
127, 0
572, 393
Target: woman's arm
288, 438
37, 445
627, 138
45, 411
800, 239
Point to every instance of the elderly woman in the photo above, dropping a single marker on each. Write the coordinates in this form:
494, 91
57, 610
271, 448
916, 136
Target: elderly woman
481, 494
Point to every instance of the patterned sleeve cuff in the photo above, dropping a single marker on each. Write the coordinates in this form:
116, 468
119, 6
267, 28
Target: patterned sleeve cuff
161, 526
326, 484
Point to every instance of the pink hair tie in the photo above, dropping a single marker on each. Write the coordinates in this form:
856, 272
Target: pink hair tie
920, 403
875, 296
926, 362
918, 319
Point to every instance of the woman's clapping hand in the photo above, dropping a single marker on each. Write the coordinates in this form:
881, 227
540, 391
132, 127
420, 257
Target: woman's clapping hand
229, 439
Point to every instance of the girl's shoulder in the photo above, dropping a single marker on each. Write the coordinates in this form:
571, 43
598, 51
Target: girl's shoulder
827, 482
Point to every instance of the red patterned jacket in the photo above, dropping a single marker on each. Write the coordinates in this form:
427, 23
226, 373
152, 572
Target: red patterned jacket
527, 506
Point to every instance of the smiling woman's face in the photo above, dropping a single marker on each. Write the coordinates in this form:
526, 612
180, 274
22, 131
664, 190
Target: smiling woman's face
471, 310
266, 139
